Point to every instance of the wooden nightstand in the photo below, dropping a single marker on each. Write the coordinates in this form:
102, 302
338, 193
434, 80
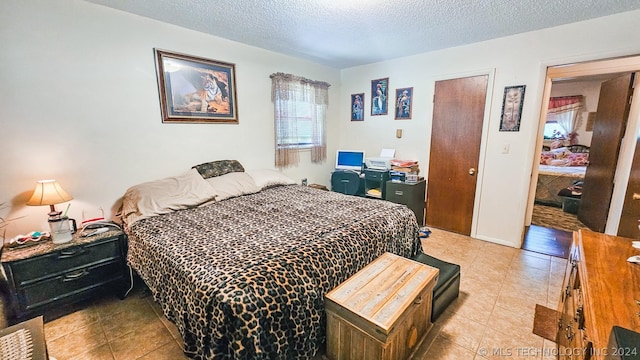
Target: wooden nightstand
47, 275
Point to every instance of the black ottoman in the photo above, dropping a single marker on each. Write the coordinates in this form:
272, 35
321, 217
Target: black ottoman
448, 285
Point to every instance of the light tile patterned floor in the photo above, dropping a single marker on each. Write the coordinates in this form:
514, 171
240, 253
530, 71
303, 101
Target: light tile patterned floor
492, 318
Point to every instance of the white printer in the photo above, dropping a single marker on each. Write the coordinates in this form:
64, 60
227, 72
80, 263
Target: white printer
383, 162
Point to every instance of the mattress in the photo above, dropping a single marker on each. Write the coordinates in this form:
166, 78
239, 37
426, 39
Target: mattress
246, 277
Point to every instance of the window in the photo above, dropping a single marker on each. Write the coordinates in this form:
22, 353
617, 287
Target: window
552, 129
297, 122
300, 107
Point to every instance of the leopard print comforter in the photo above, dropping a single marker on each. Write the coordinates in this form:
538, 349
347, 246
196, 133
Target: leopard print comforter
245, 278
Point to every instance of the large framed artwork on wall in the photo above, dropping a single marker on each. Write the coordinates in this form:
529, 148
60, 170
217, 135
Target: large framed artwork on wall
196, 90
379, 96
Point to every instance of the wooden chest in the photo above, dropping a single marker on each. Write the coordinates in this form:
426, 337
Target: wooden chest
381, 312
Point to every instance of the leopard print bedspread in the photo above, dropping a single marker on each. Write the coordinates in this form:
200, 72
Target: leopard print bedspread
246, 277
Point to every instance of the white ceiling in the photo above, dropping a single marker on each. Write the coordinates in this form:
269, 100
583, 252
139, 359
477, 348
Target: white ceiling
346, 33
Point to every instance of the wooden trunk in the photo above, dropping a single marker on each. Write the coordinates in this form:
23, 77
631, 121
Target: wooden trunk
381, 312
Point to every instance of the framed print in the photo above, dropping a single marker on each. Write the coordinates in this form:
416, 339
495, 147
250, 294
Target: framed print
379, 92
196, 90
403, 103
512, 108
357, 107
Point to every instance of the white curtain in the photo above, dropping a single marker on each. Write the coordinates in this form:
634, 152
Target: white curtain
565, 112
292, 96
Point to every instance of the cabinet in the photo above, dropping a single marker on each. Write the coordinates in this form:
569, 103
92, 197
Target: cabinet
46, 275
375, 182
600, 289
408, 194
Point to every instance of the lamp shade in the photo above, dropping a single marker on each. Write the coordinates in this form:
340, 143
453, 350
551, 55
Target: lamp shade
48, 192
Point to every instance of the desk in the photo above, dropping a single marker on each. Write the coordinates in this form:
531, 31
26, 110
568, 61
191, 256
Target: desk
11, 335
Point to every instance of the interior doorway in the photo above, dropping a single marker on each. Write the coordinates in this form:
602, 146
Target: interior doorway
597, 71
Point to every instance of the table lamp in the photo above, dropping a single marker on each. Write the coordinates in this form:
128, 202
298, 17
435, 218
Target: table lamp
49, 192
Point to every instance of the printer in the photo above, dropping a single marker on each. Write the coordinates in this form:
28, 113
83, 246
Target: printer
383, 162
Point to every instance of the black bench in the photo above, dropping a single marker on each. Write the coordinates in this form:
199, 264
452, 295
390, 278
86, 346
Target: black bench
448, 286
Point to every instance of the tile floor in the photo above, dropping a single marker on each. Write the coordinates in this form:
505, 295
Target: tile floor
492, 318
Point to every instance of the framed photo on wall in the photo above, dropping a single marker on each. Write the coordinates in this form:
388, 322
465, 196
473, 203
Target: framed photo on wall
512, 108
403, 103
196, 90
379, 94
357, 107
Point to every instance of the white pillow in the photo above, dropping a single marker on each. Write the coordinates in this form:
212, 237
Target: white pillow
232, 184
164, 196
265, 178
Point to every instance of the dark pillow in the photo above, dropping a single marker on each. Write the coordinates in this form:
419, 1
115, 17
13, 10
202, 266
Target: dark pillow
217, 168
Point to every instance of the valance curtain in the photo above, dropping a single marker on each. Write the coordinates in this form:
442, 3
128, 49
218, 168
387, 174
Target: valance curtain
565, 112
299, 116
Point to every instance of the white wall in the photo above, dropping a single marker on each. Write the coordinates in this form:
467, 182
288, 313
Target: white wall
516, 60
79, 103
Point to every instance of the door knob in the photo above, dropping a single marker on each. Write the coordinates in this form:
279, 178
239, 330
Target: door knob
636, 196
472, 171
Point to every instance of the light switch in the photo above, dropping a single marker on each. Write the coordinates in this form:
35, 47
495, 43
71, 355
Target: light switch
505, 148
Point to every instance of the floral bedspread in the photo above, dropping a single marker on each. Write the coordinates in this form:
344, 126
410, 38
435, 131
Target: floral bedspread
246, 277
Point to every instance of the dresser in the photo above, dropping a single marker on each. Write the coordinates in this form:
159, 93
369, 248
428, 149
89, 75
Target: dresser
600, 290
47, 275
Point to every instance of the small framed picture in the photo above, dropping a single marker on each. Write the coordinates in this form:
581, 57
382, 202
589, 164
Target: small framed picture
403, 103
512, 108
379, 93
196, 90
357, 107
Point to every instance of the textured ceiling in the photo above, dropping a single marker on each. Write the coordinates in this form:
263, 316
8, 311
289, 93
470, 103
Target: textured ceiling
346, 33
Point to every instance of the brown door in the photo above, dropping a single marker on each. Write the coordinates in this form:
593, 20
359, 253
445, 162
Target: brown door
458, 113
631, 209
608, 129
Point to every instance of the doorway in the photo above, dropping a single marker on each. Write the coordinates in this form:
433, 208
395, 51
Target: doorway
594, 71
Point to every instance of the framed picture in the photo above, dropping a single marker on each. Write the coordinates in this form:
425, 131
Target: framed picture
379, 92
357, 107
403, 103
196, 90
512, 108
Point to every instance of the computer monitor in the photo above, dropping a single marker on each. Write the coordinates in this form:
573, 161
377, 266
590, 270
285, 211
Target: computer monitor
349, 160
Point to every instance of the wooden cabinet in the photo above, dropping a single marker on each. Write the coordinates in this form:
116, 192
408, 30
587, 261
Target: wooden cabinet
600, 289
46, 275
408, 194
381, 312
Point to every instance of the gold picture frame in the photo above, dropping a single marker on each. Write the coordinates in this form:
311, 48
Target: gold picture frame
196, 90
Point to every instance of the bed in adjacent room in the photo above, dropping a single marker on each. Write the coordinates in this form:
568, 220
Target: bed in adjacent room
243, 273
559, 169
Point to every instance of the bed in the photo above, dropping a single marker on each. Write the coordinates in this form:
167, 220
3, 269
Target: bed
244, 274
559, 169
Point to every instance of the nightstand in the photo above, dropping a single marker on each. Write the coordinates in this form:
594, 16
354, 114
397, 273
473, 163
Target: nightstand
45, 276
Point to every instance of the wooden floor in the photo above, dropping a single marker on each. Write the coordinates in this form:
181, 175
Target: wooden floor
547, 241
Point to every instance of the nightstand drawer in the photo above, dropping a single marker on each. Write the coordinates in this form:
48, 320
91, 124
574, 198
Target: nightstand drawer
41, 267
69, 283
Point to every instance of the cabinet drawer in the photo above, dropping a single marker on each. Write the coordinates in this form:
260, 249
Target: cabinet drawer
376, 176
37, 268
70, 283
